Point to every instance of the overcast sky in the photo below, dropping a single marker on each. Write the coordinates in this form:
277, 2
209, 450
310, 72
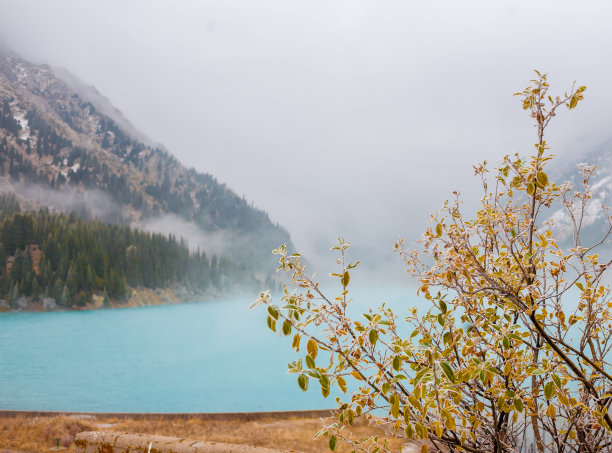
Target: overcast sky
336, 117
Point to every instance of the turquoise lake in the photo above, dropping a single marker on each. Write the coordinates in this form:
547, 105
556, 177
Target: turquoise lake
200, 357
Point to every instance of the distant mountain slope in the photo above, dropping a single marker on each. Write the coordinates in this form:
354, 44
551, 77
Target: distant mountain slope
103, 104
69, 138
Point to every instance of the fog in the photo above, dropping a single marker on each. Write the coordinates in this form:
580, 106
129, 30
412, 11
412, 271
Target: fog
353, 118
93, 204
213, 243
98, 205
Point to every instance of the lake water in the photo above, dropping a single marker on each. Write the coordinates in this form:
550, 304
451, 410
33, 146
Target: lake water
201, 357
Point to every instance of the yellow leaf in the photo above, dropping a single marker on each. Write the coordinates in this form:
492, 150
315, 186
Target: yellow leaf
542, 179
438, 429
341, 383
395, 406
573, 102
530, 188
449, 421
296, 342
312, 348
421, 431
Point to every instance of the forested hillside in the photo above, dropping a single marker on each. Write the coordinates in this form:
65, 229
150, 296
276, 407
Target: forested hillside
63, 261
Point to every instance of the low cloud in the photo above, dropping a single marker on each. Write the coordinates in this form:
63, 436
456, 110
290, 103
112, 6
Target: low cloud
217, 243
93, 204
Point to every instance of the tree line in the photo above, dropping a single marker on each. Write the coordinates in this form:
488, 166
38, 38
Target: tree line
70, 259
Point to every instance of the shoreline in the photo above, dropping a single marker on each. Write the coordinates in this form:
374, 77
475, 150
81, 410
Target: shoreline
216, 416
139, 297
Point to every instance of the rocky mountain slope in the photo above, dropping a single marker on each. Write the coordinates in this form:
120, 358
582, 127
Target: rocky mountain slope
62, 144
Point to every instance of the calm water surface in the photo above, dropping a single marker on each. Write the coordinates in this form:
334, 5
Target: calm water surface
203, 357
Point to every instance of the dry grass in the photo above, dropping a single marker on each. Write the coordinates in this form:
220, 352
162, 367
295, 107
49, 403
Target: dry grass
39, 434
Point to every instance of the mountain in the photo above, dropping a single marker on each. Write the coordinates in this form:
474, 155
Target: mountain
65, 146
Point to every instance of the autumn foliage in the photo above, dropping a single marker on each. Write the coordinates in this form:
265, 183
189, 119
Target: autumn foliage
513, 351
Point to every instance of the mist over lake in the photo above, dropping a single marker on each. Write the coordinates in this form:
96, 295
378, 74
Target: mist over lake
202, 357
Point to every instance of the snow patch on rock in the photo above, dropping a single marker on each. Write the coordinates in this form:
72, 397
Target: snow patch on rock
24, 124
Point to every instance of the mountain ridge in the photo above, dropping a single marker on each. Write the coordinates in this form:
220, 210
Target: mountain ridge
53, 137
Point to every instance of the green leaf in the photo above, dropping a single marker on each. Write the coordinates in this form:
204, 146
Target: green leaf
397, 363
518, 405
272, 323
333, 441
557, 380
287, 327
447, 337
386, 387
312, 348
373, 336
549, 390
314, 373
506, 342
346, 278
303, 382
420, 375
443, 306
448, 371
350, 416
324, 381
580, 286
310, 363
409, 430
273, 310
441, 320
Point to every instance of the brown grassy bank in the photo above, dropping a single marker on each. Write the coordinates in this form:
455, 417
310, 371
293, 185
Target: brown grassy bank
38, 433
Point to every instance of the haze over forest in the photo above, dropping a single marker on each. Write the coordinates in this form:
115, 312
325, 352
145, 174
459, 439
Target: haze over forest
354, 118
